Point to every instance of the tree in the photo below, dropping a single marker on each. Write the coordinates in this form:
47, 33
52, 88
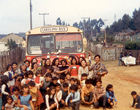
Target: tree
58, 21
75, 25
11, 44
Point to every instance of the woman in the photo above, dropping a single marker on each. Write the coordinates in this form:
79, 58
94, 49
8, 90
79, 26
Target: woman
56, 72
83, 69
73, 69
47, 64
80, 59
8, 68
64, 67
34, 67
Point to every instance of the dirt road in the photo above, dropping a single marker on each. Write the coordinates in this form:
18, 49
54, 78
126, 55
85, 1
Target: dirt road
125, 80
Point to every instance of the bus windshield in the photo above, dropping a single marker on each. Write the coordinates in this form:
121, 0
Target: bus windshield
41, 44
69, 43
65, 43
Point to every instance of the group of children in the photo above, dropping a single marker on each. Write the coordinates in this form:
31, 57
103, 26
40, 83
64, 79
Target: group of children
47, 92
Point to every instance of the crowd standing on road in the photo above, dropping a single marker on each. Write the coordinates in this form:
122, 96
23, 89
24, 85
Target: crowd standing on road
56, 84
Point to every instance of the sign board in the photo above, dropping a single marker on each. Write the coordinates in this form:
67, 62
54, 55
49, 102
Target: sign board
54, 29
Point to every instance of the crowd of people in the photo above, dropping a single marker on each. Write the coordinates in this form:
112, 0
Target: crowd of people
57, 84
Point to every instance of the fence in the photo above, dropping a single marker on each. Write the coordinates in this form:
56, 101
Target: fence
7, 57
106, 53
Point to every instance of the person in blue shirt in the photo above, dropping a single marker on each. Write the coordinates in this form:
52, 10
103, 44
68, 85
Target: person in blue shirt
136, 100
75, 98
110, 96
120, 58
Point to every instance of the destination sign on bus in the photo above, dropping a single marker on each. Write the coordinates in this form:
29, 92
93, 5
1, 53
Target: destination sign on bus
54, 29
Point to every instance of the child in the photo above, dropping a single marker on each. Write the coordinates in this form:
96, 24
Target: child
59, 95
65, 91
5, 90
50, 70
99, 95
37, 98
110, 96
61, 80
15, 96
84, 77
87, 93
72, 81
25, 100
38, 79
10, 104
54, 81
30, 77
136, 100
67, 79
75, 101
23, 81
51, 101
45, 84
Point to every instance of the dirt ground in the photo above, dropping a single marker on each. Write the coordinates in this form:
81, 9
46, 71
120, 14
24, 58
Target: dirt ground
125, 79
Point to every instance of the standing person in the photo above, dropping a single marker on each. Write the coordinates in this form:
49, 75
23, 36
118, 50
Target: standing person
8, 68
125, 54
25, 100
70, 58
64, 67
98, 68
51, 101
56, 72
120, 58
13, 74
34, 68
27, 62
110, 96
136, 100
30, 77
99, 95
83, 69
4, 89
87, 93
47, 64
130, 54
75, 98
89, 58
23, 69
73, 68
80, 60
43, 61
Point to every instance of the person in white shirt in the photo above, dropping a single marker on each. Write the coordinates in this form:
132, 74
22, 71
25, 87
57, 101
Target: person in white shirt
59, 95
50, 98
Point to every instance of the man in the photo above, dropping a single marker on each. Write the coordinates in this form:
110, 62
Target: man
98, 68
79, 49
13, 74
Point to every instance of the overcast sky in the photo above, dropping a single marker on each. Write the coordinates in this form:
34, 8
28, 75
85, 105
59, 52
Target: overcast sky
15, 16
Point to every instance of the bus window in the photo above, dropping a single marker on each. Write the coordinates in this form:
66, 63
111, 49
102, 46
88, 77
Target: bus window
40, 44
69, 43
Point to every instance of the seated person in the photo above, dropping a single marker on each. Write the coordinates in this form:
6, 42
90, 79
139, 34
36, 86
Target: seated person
79, 49
136, 100
87, 93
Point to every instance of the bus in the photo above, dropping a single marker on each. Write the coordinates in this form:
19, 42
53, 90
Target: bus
54, 41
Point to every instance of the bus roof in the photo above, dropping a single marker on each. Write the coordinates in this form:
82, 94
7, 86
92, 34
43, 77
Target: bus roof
54, 29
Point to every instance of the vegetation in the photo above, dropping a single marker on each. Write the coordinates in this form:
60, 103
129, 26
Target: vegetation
132, 45
125, 23
11, 44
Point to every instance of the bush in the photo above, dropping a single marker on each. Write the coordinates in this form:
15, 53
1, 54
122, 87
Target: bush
132, 45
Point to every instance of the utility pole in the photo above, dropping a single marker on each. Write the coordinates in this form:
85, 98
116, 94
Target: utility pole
105, 30
44, 17
30, 14
84, 18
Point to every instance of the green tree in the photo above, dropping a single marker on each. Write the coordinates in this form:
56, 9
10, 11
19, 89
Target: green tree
75, 25
11, 44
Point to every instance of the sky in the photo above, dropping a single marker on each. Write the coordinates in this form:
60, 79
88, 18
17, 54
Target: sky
15, 14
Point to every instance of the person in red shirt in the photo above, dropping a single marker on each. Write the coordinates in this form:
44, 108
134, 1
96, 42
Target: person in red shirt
73, 68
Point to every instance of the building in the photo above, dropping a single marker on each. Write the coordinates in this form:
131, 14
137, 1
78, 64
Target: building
20, 41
